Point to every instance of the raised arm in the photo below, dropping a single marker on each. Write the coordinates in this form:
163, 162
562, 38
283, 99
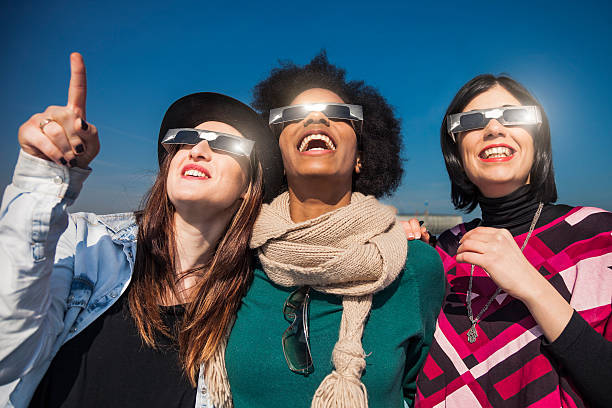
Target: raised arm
35, 270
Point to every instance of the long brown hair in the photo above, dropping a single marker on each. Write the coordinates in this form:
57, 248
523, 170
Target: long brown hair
222, 282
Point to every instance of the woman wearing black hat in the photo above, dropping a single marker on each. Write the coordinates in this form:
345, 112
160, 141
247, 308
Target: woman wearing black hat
128, 309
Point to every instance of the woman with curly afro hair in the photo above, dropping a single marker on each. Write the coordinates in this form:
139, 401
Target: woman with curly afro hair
337, 287
381, 142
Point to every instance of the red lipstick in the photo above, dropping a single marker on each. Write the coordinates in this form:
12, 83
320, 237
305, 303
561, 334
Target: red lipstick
198, 168
483, 158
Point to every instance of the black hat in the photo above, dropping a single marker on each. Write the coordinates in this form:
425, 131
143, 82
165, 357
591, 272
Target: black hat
194, 109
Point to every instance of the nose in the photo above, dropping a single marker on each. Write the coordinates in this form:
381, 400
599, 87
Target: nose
201, 151
494, 128
316, 117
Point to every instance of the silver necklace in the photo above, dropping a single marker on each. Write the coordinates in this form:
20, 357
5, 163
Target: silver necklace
472, 334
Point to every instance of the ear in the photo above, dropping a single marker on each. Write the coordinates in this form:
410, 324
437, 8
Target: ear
358, 163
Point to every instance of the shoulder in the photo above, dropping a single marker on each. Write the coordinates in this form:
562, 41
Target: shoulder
421, 256
423, 268
589, 218
578, 226
417, 294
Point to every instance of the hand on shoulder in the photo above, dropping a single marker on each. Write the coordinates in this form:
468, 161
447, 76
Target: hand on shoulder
414, 229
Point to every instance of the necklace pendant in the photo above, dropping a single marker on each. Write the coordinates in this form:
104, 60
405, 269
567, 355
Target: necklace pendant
472, 334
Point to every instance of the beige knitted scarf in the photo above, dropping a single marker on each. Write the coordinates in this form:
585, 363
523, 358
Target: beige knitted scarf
354, 251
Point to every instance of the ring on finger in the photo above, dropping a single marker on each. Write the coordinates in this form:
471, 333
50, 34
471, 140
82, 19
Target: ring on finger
44, 123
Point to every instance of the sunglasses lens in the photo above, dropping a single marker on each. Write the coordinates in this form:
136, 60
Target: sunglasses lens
216, 141
516, 115
185, 137
294, 113
331, 111
292, 304
295, 345
295, 342
188, 134
228, 144
472, 121
337, 112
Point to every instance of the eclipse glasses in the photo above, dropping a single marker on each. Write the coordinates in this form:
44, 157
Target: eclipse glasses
300, 112
216, 140
506, 115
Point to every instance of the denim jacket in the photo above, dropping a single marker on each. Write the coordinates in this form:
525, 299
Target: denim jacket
58, 272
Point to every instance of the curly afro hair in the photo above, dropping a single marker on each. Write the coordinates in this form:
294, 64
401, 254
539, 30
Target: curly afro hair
380, 139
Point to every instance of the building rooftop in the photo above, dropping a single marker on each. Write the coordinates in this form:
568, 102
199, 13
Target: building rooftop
435, 223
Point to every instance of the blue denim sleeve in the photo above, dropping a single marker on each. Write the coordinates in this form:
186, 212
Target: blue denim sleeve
35, 230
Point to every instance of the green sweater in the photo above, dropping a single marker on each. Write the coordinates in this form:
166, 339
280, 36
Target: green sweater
396, 338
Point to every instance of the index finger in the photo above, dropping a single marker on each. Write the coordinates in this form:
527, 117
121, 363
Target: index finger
77, 90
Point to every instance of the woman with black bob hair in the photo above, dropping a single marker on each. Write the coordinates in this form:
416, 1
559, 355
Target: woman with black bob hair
526, 320
337, 284
464, 193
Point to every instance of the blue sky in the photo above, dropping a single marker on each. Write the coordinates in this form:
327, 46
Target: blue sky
141, 56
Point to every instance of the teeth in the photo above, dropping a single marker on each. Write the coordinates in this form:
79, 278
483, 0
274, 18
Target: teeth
323, 138
495, 152
195, 173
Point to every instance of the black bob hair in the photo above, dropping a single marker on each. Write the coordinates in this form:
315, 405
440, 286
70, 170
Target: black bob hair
464, 193
380, 139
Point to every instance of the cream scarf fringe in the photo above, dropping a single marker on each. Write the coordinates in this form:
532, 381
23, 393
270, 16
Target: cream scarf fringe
354, 251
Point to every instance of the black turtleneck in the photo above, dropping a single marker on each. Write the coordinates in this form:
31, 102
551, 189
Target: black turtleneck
515, 211
579, 350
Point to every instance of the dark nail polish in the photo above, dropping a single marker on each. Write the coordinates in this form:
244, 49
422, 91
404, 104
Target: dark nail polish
63, 161
84, 125
80, 148
73, 163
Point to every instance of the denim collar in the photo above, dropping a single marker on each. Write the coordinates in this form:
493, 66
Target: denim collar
123, 226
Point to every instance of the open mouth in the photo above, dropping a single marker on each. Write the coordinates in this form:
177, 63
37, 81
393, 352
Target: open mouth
316, 142
193, 171
496, 152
